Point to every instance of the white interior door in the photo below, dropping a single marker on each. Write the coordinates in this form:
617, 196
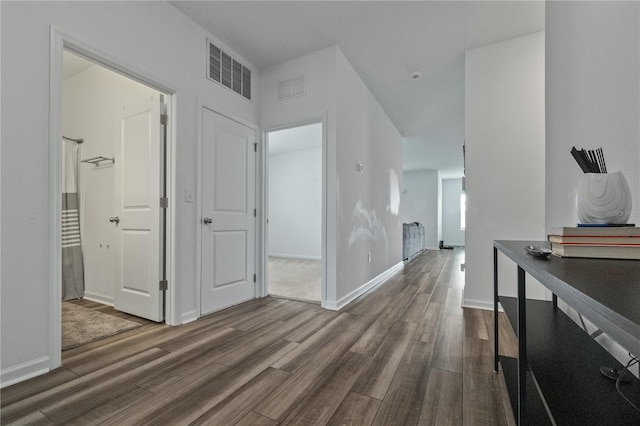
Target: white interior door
228, 222
138, 186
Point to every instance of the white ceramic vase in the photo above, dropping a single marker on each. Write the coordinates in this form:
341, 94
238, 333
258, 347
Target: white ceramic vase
603, 198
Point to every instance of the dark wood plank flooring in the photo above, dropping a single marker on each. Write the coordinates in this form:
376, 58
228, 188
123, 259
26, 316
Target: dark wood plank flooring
403, 354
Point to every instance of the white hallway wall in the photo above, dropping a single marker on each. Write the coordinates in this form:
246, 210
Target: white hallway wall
357, 226
362, 209
143, 35
505, 161
91, 104
295, 204
592, 100
420, 203
452, 234
368, 203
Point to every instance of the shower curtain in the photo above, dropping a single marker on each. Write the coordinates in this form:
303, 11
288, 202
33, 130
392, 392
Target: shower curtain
72, 263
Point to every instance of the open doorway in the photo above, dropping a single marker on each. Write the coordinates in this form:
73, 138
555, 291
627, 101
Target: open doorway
294, 200
113, 212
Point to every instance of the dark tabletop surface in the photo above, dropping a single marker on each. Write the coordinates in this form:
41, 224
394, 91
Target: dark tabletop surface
609, 286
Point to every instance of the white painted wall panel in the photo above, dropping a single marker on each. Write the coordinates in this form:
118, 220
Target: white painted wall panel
505, 157
295, 204
452, 234
593, 98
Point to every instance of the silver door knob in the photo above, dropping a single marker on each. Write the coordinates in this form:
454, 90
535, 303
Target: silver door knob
115, 219
207, 220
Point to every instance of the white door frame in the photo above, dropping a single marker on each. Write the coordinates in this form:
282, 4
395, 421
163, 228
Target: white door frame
257, 242
264, 203
58, 43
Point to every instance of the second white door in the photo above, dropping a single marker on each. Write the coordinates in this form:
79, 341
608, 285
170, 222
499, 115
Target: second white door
138, 216
228, 221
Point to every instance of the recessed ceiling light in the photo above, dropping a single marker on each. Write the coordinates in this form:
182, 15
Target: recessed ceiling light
416, 75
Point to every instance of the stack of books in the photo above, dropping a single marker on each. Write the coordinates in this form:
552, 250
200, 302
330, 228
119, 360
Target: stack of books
608, 242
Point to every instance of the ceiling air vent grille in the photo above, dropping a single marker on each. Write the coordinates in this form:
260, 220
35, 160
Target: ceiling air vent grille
237, 77
246, 82
228, 72
291, 88
214, 63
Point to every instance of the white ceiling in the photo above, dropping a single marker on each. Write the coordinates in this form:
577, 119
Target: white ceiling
385, 41
295, 139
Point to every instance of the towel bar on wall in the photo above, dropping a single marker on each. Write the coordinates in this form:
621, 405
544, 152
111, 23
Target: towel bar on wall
99, 159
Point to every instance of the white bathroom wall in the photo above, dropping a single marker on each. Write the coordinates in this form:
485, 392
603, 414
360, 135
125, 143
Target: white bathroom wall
154, 39
505, 158
420, 203
295, 203
91, 105
452, 235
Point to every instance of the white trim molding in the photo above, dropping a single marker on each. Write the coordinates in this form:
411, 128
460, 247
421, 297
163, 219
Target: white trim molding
326, 253
478, 304
295, 256
370, 285
190, 316
24, 371
97, 297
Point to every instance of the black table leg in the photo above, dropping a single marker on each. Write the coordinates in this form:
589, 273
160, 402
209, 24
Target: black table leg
522, 348
496, 368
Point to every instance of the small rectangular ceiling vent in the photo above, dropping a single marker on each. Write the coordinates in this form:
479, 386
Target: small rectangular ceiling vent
225, 70
291, 88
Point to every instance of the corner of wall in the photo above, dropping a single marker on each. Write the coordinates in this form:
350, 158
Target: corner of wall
24, 371
336, 305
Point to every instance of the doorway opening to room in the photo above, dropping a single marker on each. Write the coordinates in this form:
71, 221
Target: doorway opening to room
295, 188
114, 202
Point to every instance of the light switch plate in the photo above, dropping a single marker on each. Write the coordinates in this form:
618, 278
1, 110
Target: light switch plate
189, 197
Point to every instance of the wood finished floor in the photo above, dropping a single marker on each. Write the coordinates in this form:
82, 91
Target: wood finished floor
404, 354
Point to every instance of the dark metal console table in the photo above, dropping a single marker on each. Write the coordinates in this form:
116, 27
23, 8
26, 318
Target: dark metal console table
556, 378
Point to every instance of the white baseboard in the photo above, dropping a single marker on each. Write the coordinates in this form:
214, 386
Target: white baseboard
97, 297
188, 317
27, 370
380, 279
295, 256
478, 304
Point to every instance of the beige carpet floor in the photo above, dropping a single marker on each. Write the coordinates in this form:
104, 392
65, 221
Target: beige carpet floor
298, 279
81, 325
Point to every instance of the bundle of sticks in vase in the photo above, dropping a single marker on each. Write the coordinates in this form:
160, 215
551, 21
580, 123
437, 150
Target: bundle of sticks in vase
591, 161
